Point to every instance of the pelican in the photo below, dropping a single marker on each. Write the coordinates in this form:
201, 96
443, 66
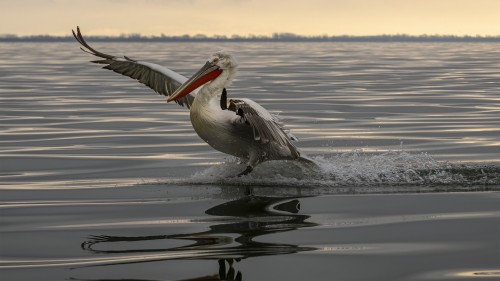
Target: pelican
238, 127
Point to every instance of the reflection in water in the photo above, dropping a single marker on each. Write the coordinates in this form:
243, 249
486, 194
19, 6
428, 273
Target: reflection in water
228, 240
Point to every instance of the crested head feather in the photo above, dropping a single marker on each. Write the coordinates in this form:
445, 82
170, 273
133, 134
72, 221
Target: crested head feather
224, 60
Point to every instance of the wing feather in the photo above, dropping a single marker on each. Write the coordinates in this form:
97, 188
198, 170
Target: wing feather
161, 79
266, 126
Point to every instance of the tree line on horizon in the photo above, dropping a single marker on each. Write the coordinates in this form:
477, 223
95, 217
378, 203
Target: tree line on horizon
284, 37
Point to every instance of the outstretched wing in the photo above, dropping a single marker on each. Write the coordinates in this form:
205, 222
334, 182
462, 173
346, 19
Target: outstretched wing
161, 79
266, 126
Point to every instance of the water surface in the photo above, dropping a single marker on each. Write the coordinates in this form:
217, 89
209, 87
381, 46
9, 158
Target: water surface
65, 120
101, 179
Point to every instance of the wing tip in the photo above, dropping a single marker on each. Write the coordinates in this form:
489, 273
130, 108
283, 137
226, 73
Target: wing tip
79, 38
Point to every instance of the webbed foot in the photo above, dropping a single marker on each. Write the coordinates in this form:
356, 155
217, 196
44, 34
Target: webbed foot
246, 172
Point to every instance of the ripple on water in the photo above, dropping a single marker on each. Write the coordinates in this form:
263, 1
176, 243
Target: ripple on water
63, 119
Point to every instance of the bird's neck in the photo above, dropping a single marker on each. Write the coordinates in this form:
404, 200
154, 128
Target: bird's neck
214, 88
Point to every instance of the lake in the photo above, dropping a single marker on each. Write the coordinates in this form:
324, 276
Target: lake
101, 179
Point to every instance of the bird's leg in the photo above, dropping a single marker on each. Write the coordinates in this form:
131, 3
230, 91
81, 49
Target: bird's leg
252, 162
223, 99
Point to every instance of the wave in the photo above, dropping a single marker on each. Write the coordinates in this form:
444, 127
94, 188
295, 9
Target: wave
356, 168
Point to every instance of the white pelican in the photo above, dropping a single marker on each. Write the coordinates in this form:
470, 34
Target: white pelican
243, 128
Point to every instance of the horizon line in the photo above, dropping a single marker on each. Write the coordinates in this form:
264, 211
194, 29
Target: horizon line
283, 36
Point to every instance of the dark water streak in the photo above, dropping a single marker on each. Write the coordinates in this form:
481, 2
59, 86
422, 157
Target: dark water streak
200, 233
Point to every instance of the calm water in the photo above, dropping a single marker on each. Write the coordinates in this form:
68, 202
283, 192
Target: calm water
101, 179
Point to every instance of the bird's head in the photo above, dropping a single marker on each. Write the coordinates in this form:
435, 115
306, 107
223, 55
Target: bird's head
218, 63
223, 60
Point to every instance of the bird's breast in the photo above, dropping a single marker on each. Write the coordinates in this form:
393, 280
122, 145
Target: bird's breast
219, 128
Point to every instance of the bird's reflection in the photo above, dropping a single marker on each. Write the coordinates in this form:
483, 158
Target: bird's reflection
230, 239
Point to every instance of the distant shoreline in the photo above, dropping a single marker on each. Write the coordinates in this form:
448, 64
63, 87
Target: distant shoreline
274, 38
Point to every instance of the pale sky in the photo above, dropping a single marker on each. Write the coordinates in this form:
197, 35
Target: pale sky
244, 17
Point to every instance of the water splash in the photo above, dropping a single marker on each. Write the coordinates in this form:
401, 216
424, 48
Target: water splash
356, 168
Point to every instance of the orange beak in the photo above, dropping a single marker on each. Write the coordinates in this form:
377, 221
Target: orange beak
206, 74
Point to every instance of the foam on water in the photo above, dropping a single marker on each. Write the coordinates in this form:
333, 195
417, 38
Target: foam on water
356, 168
